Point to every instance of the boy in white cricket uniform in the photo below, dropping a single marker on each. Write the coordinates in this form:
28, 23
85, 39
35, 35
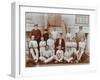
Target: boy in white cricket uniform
69, 35
72, 52
81, 34
67, 55
54, 34
42, 45
59, 55
47, 56
50, 42
33, 48
82, 46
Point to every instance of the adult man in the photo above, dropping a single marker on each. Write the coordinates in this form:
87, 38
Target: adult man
37, 33
60, 42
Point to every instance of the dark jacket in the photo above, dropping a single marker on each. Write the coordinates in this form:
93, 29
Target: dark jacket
62, 44
37, 34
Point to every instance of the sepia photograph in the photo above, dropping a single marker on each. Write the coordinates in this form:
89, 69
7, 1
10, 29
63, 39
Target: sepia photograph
56, 39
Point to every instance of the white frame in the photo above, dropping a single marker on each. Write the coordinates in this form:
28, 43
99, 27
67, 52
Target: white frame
18, 42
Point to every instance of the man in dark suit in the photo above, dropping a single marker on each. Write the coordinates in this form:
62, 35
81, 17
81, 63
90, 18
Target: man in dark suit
60, 42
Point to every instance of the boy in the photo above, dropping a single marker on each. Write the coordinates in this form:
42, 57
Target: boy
67, 55
82, 45
59, 55
37, 33
42, 45
69, 35
47, 56
50, 42
33, 48
81, 34
46, 34
54, 34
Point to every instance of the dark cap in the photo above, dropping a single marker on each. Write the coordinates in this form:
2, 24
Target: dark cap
35, 24
80, 27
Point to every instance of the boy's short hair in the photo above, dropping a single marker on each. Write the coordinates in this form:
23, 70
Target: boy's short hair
60, 34
46, 46
80, 27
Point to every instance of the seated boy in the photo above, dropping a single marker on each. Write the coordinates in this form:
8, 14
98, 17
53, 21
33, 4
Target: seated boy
47, 56
42, 45
33, 48
67, 55
59, 55
82, 45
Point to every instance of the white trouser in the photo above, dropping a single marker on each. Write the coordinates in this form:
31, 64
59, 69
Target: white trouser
42, 50
58, 59
68, 59
80, 55
51, 46
42, 58
46, 60
49, 59
35, 56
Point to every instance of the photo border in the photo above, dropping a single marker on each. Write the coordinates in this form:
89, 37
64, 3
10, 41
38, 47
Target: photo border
16, 67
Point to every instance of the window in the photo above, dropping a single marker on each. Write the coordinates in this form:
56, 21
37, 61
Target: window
82, 19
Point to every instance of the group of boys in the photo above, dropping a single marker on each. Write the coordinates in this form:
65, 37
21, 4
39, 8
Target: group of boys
50, 48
